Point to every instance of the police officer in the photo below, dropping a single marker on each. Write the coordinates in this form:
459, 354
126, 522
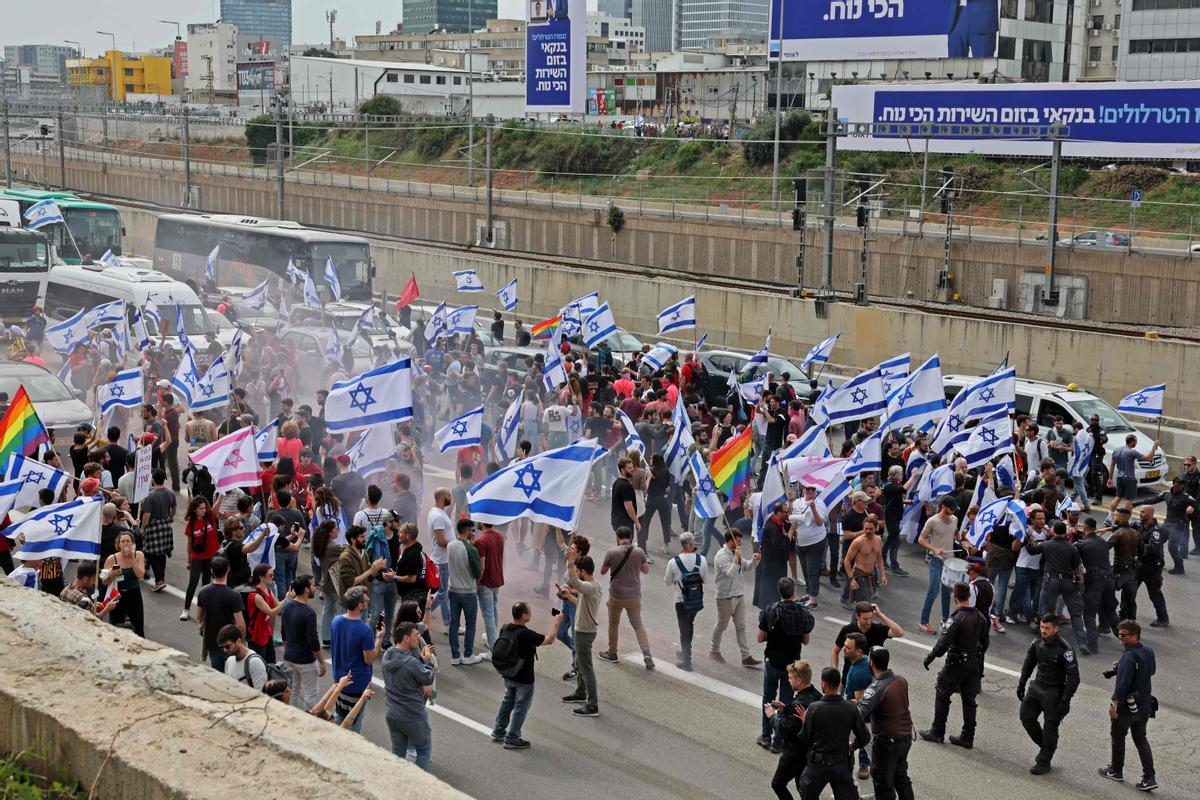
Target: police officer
1051, 691
1181, 506
1125, 544
1132, 705
1060, 561
828, 725
1152, 542
964, 643
1099, 593
884, 705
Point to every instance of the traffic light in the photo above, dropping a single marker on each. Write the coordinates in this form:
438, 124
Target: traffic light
45, 130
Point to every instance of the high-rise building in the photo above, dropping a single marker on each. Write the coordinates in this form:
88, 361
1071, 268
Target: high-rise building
448, 16
658, 18
621, 9
703, 22
260, 18
35, 71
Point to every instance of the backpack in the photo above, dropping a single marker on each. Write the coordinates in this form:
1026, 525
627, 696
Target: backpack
1152, 548
432, 579
505, 657
281, 671
691, 583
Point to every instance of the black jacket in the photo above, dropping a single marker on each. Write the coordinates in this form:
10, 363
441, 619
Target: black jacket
828, 726
965, 637
1057, 667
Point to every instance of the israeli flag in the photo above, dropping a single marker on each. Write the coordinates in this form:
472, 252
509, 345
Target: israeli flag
679, 316
1146, 402
817, 412
311, 298
819, 354
659, 355
42, 214
64, 530
546, 488
437, 324
508, 295
507, 436
153, 315
334, 350
774, 491
212, 390
256, 298
265, 441
587, 304
210, 264
184, 341
461, 320
109, 260
381, 396
935, 482
633, 442
365, 321
331, 277
1018, 520
105, 314
982, 495
64, 335
187, 376
988, 439
1006, 472
599, 325
700, 343
462, 431
64, 374
681, 440
761, 356
867, 457
813, 443
371, 452
708, 501
266, 533
125, 390
8, 495
919, 400
858, 398
989, 516
1081, 454
554, 374
467, 281
894, 372
570, 321
751, 391
25, 576
294, 273
284, 318
997, 392
832, 496
234, 354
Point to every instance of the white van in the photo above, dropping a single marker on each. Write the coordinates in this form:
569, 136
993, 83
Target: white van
1044, 401
71, 287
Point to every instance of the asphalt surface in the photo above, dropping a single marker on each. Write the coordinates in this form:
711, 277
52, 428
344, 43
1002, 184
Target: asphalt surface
670, 734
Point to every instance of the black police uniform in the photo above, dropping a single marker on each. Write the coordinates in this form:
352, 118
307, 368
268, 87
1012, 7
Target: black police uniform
1050, 692
1099, 590
1191, 485
828, 725
1059, 562
964, 643
794, 756
1150, 567
1176, 523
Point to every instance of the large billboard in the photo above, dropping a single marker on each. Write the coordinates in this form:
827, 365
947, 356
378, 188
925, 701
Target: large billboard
869, 30
556, 56
1103, 120
256, 77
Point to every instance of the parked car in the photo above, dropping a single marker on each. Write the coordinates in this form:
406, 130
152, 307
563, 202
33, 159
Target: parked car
58, 405
265, 317
226, 330
386, 331
310, 345
720, 363
512, 355
1096, 239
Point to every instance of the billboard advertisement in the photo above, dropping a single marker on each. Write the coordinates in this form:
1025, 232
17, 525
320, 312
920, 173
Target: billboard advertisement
867, 30
556, 56
256, 77
1104, 120
179, 59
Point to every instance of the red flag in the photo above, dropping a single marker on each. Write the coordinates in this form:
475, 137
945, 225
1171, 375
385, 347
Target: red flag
409, 294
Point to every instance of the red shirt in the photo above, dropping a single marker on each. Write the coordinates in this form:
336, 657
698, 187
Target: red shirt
623, 387
289, 448
490, 545
473, 455
201, 537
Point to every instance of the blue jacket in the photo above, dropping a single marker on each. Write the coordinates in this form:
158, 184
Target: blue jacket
1133, 676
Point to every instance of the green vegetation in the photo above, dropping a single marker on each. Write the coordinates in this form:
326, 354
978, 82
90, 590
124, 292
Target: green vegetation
18, 782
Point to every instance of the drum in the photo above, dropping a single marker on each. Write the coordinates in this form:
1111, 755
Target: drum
953, 571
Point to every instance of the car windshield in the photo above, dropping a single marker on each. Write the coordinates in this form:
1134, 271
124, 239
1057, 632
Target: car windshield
41, 387
1110, 420
351, 261
624, 342
775, 366
219, 321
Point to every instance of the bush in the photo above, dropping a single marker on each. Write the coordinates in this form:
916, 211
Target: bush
1126, 178
433, 142
260, 135
616, 219
688, 154
381, 105
760, 151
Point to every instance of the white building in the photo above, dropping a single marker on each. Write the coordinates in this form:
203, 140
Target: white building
622, 35
699, 22
1097, 35
1160, 43
212, 58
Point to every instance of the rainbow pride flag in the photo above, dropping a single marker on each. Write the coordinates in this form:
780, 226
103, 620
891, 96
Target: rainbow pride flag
730, 466
21, 431
546, 328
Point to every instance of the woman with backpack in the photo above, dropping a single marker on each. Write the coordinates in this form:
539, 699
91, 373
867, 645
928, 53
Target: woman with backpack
202, 533
326, 508
261, 610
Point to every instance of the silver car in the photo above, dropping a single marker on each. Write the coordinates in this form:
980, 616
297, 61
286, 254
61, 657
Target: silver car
57, 405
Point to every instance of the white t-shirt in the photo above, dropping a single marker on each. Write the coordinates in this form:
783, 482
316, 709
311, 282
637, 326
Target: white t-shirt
438, 520
1026, 559
258, 670
370, 517
555, 418
807, 531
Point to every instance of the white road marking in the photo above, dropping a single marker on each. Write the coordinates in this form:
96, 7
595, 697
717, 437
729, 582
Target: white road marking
928, 647
701, 681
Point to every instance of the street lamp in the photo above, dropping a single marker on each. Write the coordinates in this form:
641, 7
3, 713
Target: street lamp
178, 34
112, 67
114, 38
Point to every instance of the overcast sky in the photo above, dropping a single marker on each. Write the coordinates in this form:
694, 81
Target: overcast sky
137, 27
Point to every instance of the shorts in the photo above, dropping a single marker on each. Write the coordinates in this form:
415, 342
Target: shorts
1127, 488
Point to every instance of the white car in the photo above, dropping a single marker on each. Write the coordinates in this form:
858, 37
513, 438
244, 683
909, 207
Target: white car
226, 330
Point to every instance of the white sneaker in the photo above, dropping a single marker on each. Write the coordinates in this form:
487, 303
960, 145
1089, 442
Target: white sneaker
485, 656
469, 660
455, 662
183, 615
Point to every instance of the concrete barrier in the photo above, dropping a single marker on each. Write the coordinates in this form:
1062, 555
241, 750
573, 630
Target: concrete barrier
139, 719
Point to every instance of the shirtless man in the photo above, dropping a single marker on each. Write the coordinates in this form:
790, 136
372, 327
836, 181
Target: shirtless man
862, 559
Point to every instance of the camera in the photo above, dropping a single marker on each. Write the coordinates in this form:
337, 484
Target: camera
1110, 673
554, 612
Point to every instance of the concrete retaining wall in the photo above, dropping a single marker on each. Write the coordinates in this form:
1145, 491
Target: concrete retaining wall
152, 723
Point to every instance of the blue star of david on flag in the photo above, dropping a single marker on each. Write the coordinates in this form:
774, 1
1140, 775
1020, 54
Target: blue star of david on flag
987, 394
1147, 402
61, 523
459, 427
462, 431
360, 398
529, 480
859, 396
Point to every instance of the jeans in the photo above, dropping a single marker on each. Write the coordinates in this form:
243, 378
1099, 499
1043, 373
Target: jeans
518, 697
566, 628
711, 534
440, 598
812, 558
285, 571
889, 770
1025, 593
217, 659
1000, 584
687, 627
307, 689
329, 610
199, 572
775, 687
935, 583
1135, 724
731, 608
656, 504
1177, 542
383, 599
891, 549
411, 733
338, 716
489, 598
585, 668
467, 604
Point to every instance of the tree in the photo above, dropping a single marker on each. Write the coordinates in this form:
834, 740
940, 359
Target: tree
381, 105
320, 52
260, 135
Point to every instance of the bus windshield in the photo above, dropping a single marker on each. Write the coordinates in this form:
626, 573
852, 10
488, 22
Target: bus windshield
24, 256
94, 230
351, 262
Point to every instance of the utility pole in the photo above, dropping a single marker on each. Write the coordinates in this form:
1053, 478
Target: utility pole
863, 218
470, 95
778, 109
924, 182
947, 195
489, 240
331, 17
279, 157
8, 171
1049, 295
828, 217
799, 223
187, 160
62, 153
104, 124
367, 149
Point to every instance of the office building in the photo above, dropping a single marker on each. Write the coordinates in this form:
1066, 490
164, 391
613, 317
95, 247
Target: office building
1159, 41
261, 19
623, 37
212, 58
447, 16
658, 18
36, 71
1097, 31
117, 75
700, 22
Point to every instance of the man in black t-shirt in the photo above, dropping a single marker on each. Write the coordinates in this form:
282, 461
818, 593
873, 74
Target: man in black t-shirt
784, 627
518, 689
410, 567
219, 606
864, 622
624, 513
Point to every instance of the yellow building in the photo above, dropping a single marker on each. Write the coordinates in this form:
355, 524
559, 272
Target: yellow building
122, 74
